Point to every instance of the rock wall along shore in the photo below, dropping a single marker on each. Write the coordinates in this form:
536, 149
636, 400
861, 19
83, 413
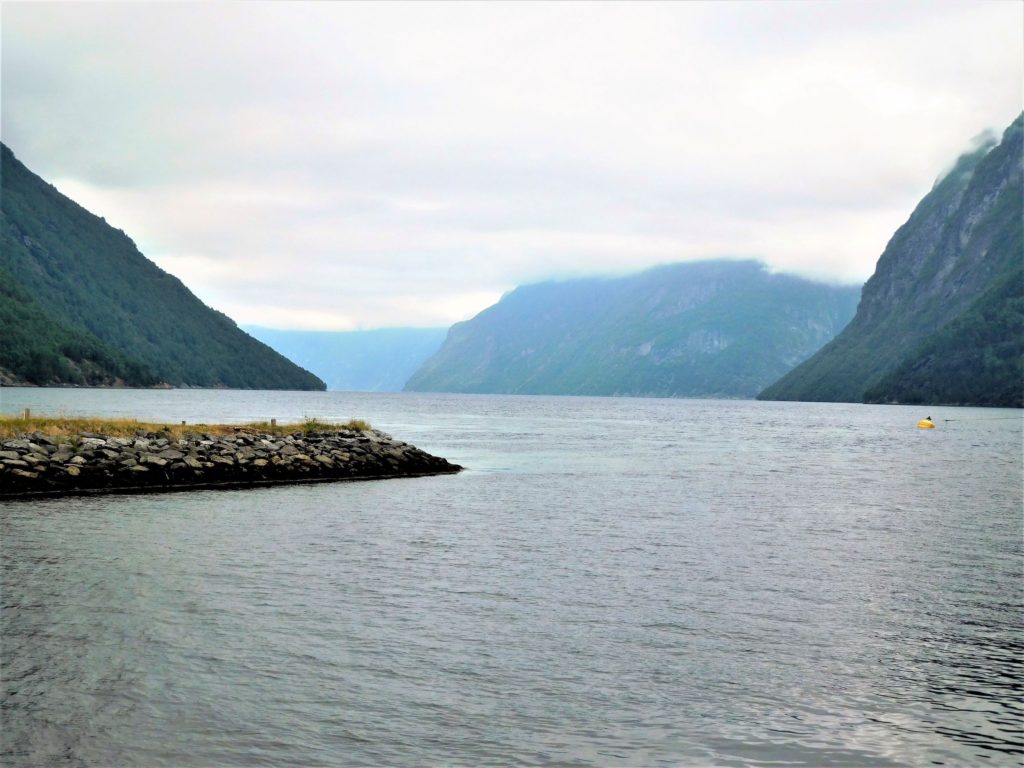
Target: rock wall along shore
34, 464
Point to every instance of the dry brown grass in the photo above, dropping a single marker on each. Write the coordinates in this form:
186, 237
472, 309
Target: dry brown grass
65, 426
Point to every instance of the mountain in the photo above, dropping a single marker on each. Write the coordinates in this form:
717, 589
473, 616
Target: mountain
39, 350
380, 360
705, 329
87, 307
977, 359
939, 321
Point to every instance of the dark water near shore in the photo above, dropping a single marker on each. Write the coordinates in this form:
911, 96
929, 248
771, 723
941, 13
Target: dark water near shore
611, 582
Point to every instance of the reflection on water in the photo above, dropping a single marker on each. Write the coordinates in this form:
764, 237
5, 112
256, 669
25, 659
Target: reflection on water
632, 582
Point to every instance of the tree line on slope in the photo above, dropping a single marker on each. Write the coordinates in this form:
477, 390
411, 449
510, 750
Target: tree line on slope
38, 350
978, 359
87, 276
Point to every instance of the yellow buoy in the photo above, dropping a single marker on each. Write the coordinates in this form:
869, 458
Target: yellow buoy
926, 423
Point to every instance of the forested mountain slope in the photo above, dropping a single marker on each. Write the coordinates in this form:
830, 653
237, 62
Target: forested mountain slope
949, 279
977, 359
36, 349
83, 275
704, 329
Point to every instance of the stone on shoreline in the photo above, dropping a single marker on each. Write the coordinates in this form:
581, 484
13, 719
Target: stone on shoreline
37, 465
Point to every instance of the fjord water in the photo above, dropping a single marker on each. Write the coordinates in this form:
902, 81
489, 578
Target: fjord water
610, 582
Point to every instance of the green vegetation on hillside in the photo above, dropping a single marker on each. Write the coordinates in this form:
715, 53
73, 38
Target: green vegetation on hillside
88, 277
963, 239
36, 349
978, 359
705, 329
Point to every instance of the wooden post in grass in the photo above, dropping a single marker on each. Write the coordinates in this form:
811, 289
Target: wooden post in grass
28, 414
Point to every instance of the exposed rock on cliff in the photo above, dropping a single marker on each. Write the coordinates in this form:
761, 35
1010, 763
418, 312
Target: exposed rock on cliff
699, 329
960, 252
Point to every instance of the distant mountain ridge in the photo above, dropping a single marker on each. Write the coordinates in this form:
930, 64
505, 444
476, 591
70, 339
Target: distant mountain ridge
379, 360
81, 305
701, 329
941, 319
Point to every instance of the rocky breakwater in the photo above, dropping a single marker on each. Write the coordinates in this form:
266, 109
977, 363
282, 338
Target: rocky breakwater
34, 464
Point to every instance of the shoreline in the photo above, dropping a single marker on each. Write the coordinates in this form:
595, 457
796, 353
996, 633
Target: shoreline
37, 465
239, 485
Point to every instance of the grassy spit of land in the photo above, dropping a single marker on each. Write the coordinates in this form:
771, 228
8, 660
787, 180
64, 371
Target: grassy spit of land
67, 427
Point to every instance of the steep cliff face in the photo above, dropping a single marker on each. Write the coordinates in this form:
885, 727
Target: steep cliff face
101, 312
978, 359
709, 329
962, 240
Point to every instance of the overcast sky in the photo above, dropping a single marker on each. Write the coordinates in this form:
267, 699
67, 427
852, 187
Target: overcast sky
348, 165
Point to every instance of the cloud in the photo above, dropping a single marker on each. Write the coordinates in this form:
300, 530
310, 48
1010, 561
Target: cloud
363, 165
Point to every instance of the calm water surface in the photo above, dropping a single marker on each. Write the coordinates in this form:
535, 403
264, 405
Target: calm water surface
611, 582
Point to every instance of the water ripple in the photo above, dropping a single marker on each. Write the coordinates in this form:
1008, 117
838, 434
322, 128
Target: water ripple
617, 582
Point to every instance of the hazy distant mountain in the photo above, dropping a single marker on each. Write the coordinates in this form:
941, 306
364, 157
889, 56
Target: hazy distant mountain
942, 318
380, 360
81, 305
707, 329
